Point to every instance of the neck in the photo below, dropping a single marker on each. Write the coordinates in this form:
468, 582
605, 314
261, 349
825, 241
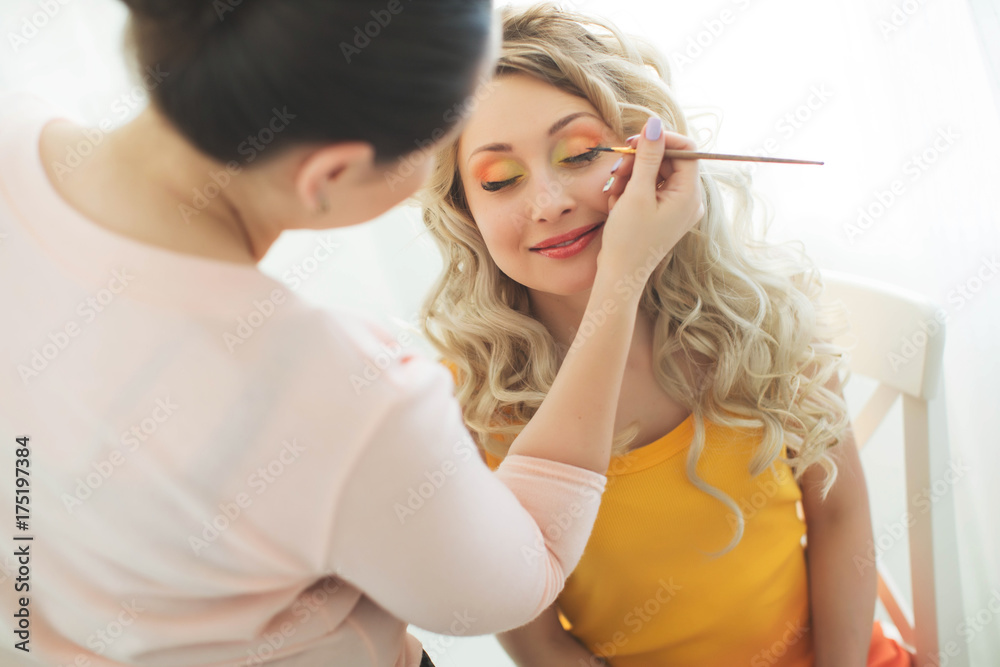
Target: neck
562, 316
158, 158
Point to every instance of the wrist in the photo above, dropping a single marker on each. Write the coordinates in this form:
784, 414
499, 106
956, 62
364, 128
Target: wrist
614, 289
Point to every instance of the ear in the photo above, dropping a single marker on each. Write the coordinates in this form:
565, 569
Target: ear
334, 162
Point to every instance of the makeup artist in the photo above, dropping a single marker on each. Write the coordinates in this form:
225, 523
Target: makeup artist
209, 482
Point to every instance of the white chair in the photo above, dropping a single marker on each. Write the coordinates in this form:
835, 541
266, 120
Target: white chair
898, 339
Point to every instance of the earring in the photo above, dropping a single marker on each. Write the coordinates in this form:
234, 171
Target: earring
324, 204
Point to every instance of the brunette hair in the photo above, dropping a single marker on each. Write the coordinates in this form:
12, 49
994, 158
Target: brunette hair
384, 72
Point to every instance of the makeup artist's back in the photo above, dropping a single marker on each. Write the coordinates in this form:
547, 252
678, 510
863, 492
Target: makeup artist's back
218, 473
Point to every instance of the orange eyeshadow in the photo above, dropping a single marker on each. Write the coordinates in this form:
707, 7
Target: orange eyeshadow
498, 170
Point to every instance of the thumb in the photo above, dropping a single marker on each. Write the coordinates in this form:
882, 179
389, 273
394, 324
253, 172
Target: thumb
648, 156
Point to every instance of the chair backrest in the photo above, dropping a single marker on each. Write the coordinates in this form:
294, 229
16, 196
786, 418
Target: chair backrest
897, 338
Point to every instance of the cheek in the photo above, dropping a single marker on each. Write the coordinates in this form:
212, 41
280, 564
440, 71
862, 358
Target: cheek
500, 235
498, 224
588, 186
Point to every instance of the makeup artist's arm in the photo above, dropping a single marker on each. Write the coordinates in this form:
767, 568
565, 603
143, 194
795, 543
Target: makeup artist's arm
544, 643
421, 518
839, 534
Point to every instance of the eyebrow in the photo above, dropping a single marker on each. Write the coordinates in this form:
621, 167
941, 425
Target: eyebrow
556, 126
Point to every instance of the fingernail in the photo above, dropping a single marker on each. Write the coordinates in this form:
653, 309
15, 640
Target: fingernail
653, 128
634, 136
607, 186
617, 164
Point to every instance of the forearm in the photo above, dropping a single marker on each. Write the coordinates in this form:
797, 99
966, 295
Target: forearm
842, 592
544, 643
554, 653
575, 423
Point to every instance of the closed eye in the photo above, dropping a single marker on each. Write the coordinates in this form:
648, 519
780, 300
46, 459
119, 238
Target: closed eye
493, 186
589, 156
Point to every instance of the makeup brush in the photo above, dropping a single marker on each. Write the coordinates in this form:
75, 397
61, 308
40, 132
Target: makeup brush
695, 155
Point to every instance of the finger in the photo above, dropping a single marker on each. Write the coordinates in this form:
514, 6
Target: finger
683, 174
648, 156
622, 175
667, 168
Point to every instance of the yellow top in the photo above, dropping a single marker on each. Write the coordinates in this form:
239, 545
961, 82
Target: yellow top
648, 593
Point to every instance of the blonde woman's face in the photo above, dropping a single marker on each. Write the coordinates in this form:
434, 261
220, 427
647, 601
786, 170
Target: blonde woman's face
529, 175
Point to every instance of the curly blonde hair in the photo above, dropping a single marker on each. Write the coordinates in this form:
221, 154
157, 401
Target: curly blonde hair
749, 307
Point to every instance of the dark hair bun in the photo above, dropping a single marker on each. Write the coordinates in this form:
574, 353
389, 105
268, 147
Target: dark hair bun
388, 72
165, 9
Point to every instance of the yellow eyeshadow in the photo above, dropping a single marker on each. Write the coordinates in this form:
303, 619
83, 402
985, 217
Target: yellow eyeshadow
575, 145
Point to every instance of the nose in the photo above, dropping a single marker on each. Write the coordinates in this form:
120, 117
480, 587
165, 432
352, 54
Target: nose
549, 200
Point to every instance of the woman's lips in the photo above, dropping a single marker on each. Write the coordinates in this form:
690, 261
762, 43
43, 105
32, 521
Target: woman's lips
572, 248
563, 238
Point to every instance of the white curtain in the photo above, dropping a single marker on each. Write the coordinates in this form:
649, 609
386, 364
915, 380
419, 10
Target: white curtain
898, 97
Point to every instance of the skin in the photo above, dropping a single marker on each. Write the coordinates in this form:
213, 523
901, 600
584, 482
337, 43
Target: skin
519, 113
839, 529
513, 213
139, 176
513, 219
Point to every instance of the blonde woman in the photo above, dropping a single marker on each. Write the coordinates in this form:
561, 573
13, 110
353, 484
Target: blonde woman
730, 412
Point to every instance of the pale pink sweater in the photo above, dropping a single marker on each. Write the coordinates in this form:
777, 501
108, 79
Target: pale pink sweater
221, 474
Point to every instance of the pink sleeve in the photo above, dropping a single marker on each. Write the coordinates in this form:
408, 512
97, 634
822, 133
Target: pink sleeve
428, 532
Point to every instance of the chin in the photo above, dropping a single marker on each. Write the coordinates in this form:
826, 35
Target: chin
568, 288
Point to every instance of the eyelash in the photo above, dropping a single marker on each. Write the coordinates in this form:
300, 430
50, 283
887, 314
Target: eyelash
589, 156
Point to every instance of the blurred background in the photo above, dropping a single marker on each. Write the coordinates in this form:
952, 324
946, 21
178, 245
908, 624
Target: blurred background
882, 91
